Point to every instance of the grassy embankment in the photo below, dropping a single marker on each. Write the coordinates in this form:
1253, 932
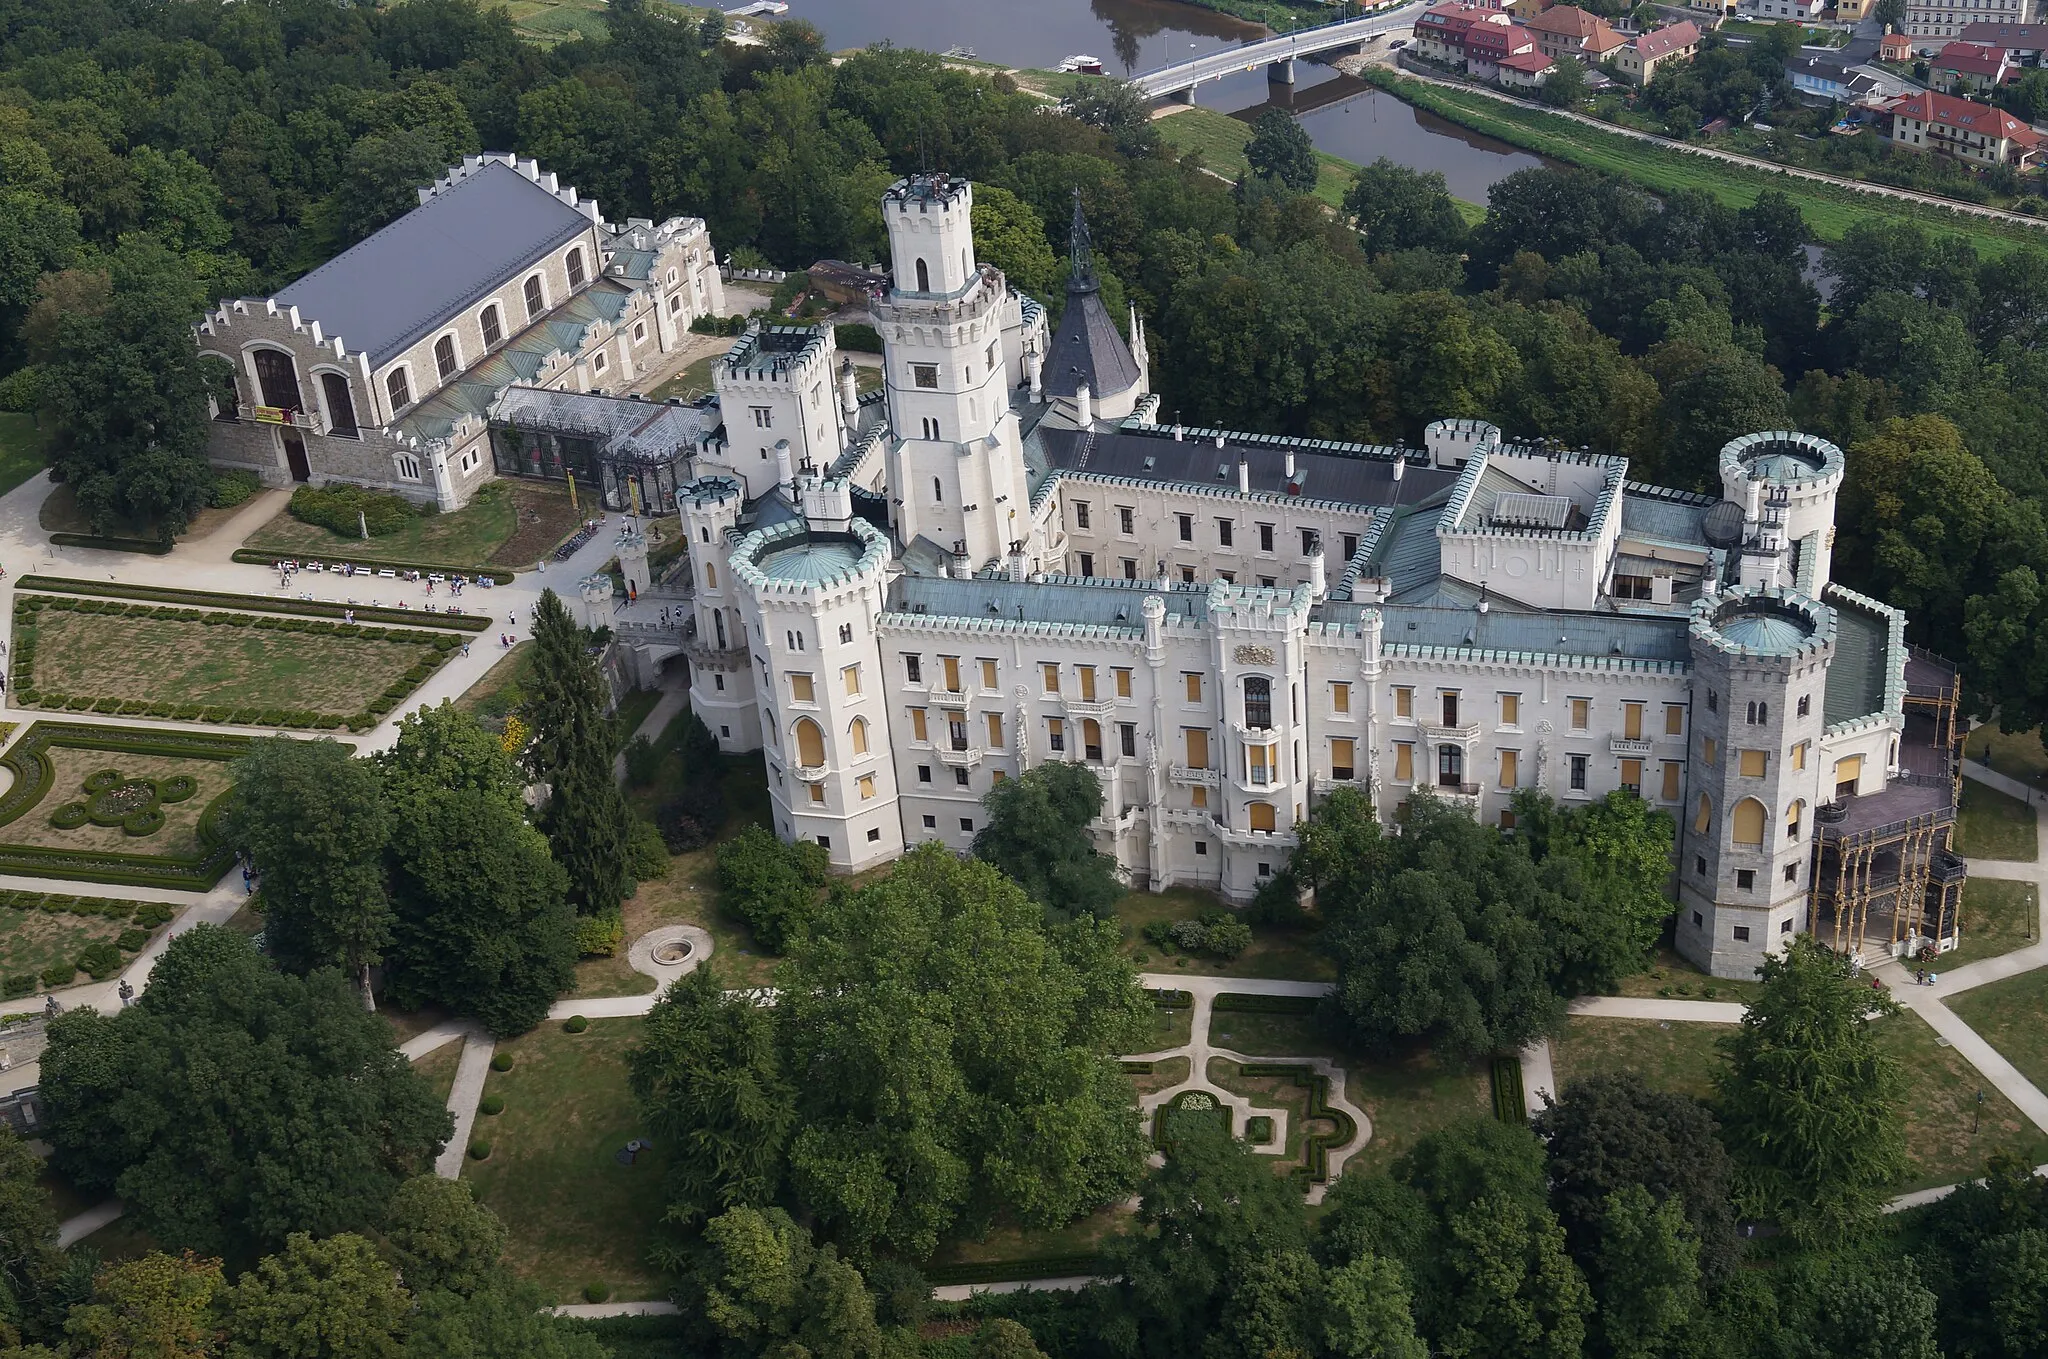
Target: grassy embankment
1829, 208
1219, 140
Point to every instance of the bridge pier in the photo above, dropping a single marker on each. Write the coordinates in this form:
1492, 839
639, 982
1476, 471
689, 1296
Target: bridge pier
1186, 96
1280, 72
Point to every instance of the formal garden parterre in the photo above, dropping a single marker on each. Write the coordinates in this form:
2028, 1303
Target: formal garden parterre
128, 658
127, 805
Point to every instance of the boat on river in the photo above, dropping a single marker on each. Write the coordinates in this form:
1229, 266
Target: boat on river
1081, 64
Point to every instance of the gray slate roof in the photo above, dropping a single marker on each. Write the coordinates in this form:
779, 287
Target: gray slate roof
1361, 477
1058, 599
1087, 348
1856, 675
384, 293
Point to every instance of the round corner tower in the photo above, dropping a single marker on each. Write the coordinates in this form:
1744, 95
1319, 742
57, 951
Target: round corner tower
1786, 483
715, 639
1760, 657
812, 594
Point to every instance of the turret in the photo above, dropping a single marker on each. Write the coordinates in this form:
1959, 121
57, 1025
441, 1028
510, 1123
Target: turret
1786, 483
596, 593
631, 549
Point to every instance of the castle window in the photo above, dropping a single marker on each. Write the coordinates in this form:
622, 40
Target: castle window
1260, 815
399, 389
1126, 519
1702, 818
1404, 762
1582, 713
1670, 790
408, 467
995, 730
1749, 822
536, 298
576, 267
1223, 532
764, 416
1632, 721
600, 363
1056, 733
845, 629
924, 277
1343, 757
1080, 514
1193, 680
810, 743
1805, 704
341, 409
1450, 766
1130, 565
857, 733
1674, 719
278, 380
1340, 698
801, 689
1265, 537
1759, 713
938, 492
1510, 710
1198, 748
1187, 528
1404, 701
912, 670
1258, 702
1713, 701
1350, 546
850, 676
1793, 815
866, 784
1091, 739
639, 332
1127, 733
1087, 563
493, 328
1578, 773
444, 357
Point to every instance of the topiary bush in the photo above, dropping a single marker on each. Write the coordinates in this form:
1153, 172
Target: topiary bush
599, 936
132, 940
597, 1292
491, 1105
575, 1024
58, 974
100, 959
501, 1061
233, 488
480, 1149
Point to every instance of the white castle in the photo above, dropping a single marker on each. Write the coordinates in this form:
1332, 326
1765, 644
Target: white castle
1004, 558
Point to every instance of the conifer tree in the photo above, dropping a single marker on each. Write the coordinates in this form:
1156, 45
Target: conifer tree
571, 752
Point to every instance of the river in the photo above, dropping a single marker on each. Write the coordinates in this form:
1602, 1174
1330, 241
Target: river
1343, 116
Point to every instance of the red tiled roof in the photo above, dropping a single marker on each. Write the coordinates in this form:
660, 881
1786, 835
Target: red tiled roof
2029, 36
1567, 21
1496, 40
1529, 63
1949, 111
1970, 59
1662, 42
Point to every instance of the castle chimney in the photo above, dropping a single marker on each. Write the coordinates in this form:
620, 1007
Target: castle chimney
1084, 406
785, 470
1244, 475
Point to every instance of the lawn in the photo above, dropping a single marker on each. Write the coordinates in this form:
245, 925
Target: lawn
1166, 1073
1267, 1092
508, 524
693, 381
1994, 825
1219, 139
1829, 209
1941, 1106
2012, 1016
1407, 1098
437, 1068
633, 710
1998, 917
179, 660
1274, 952
1169, 1028
1668, 1056
1005, 1242
502, 688
575, 1215
71, 767
1264, 1035
2017, 754
1670, 975
21, 449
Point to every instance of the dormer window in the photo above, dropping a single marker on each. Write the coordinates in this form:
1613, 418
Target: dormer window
576, 267
493, 329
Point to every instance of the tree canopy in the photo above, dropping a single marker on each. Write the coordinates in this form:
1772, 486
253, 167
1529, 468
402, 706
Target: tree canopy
571, 754
1036, 832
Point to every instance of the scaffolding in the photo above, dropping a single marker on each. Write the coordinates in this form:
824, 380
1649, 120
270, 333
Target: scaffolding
1885, 871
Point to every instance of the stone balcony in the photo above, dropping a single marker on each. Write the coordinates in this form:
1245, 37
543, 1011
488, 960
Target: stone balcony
1463, 735
1634, 748
969, 758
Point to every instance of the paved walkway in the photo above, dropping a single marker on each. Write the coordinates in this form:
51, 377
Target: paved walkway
591, 1311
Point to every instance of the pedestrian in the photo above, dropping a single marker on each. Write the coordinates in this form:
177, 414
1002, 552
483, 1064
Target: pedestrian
248, 881
513, 618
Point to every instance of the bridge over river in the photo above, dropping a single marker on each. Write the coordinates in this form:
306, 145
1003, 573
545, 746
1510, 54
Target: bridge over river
1277, 53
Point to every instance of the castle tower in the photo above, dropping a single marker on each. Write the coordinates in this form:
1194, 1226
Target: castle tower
811, 592
1786, 484
777, 386
596, 593
1261, 656
1088, 367
956, 465
715, 639
631, 547
1746, 828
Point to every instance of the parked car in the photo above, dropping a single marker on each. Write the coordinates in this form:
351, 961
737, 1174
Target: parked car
1398, 42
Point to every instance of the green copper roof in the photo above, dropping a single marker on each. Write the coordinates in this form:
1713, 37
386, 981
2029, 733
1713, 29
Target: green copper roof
811, 561
1763, 632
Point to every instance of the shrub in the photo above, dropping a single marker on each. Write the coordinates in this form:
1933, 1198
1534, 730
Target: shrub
1258, 1130
233, 488
1190, 935
575, 1024
59, 974
858, 337
150, 914
480, 1149
597, 1292
132, 940
18, 985
599, 936
345, 510
646, 852
100, 959
501, 1061
491, 1105
1228, 937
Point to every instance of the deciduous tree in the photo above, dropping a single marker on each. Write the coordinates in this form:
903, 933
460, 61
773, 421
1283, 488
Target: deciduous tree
1036, 832
1280, 149
325, 1299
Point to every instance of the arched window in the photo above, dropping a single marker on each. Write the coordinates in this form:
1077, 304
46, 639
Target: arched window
1261, 816
341, 409
718, 620
444, 357
810, 744
576, 267
1704, 817
399, 388
938, 492
924, 278
1258, 702
278, 380
859, 734
535, 303
1749, 822
1794, 815
493, 327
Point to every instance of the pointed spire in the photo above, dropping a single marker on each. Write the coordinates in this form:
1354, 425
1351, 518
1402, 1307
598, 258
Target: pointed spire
1080, 251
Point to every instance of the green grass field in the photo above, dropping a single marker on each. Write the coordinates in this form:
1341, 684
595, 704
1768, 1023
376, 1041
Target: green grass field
1993, 825
21, 449
1829, 208
1274, 952
2012, 1016
1998, 917
1667, 1055
1219, 140
2019, 754
1941, 1107
509, 523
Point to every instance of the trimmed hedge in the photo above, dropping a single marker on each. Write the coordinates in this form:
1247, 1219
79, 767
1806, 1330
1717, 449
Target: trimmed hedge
346, 510
1174, 1000
1003, 1271
249, 556
34, 774
1137, 1068
1266, 1005
1510, 1104
307, 608
1315, 1145
142, 545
